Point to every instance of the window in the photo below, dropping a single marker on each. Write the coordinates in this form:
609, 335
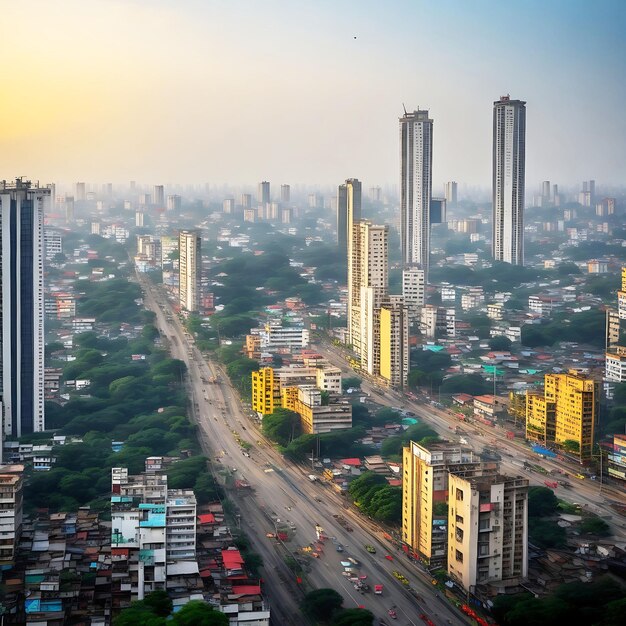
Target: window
459, 556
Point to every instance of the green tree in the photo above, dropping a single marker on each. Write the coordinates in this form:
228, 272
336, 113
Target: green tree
595, 526
159, 603
351, 382
322, 604
198, 613
138, 614
473, 384
500, 343
282, 426
571, 445
546, 533
542, 502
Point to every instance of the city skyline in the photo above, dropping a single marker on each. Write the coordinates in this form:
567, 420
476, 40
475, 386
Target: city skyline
115, 103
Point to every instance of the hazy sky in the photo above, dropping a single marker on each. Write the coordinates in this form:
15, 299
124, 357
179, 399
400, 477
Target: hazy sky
306, 92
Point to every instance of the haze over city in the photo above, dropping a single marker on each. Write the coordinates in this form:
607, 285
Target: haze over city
306, 92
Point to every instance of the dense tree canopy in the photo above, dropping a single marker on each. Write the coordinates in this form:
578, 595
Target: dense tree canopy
373, 494
600, 602
322, 604
282, 426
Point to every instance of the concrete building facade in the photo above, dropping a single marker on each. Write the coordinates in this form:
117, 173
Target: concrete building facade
509, 163
22, 291
189, 269
416, 156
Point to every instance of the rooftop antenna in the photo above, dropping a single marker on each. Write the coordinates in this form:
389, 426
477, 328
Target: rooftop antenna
404, 109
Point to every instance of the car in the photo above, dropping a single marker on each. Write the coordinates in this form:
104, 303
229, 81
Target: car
370, 549
339, 547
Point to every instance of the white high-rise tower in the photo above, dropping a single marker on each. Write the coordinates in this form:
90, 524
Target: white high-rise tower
509, 162
416, 158
189, 269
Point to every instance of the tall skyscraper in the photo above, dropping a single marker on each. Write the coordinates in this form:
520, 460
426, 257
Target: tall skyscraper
416, 157
509, 163
246, 200
348, 213
69, 209
368, 282
545, 193
451, 192
438, 211
22, 364
174, 203
285, 194
81, 193
158, 196
189, 269
263, 194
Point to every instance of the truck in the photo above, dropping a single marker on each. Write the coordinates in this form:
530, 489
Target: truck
312, 478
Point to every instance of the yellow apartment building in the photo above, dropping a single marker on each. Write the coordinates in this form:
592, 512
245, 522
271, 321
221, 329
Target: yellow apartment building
567, 411
264, 399
425, 494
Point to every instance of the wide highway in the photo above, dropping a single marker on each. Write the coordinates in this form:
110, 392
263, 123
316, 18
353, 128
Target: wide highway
281, 491
590, 494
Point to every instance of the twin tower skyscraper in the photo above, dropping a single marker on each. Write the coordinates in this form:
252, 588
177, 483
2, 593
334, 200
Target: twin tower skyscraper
508, 181
378, 323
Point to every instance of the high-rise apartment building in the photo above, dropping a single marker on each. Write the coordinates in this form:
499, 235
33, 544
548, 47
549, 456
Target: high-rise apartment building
158, 196
425, 495
81, 192
69, 209
437, 321
174, 203
246, 200
348, 214
263, 193
438, 211
413, 290
189, 269
487, 530
285, 194
367, 284
228, 206
451, 192
394, 341
565, 414
509, 163
545, 193
416, 157
22, 250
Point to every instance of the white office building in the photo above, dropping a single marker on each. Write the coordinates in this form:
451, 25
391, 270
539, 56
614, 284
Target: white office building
190, 269
416, 156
